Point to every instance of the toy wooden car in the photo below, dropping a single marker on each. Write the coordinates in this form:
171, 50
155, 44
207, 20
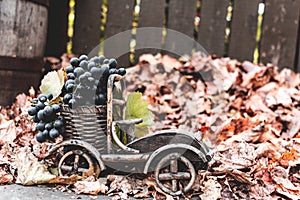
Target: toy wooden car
91, 145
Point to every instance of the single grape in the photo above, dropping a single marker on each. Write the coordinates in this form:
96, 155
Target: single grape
53, 133
40, 105
105, 73
96, 60
74, 62
58, 124
83, 57
40, 126
48, 111
101, 59
78, 71
88, 74
42, 98
105, 61
71, 76
71, 103
35, 101
70, 88
91, 65
40, 138
56, 108
69, 82
122, 71
84, 64
61, 118
69, 69
112, 71
48, 126
96, 72
50, 97
40, 115
112, 63
35, 119
32, 111
46, 134
67, 98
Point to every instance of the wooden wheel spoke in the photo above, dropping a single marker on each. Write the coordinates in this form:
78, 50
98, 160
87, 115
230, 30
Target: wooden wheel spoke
76, 163
171, 176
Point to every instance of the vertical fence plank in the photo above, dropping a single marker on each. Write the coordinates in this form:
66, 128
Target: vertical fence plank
297, 58
153, 37
243, 29
57, 28
212, 27
119, 19
181, 18
280, 31
86, 26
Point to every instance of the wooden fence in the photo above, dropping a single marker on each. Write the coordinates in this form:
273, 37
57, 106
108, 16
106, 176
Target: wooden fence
222, 27
277, 43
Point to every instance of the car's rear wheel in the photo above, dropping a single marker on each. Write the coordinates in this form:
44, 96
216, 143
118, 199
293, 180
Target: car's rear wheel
175, 174
78, 161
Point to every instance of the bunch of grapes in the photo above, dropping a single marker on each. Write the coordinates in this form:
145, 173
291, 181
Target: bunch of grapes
49, 123
87, 80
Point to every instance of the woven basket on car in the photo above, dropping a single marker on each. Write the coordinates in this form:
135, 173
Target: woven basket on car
87, 123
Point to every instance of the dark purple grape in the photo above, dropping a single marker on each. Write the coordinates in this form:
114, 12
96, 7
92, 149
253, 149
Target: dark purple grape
40, 138
42, 98
96, 72
74, 62
40, 105
40, 115
78, 71
58, 124
122, 71
84, 64
112, 71
56, 108
83, 57
46, 134
40, 126
67, 98
32, 111
48, 126
91, 65
48, 111
101, 59
96, 60
105, 61
71, 103
69, 69
71, 76
50, 97
70, 87
53, 133
35, 119
34, 101
112, 63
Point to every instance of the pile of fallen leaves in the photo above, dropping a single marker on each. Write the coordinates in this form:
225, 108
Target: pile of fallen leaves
249, 114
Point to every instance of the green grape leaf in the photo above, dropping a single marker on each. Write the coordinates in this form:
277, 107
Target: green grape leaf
53, 83
136, 107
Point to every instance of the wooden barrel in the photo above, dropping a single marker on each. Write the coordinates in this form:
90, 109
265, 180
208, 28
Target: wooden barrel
23, 33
